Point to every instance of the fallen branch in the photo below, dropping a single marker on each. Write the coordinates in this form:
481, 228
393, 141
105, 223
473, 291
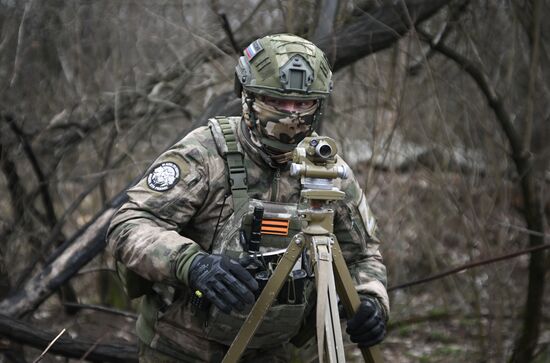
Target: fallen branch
25, 333
62, 265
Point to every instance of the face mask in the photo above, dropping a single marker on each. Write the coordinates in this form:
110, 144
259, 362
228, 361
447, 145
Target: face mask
283, 126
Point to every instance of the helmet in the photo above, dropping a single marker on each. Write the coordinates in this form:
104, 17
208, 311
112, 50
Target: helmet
288, 67
284, 66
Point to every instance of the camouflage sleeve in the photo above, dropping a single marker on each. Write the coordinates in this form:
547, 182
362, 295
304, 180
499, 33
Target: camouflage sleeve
146, 234
356, 230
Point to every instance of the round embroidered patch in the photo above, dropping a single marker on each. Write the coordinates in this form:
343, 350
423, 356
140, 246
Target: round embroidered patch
163, 176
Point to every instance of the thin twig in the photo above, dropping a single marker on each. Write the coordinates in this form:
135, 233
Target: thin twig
469, 266
525, 230
103, 309
49, 346
96, 343
17, 61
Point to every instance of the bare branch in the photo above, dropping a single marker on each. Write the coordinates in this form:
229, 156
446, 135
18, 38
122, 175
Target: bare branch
227, 29
42, 182
444, 32
531, 193
493, 98
470, 266
377, 30
15, 188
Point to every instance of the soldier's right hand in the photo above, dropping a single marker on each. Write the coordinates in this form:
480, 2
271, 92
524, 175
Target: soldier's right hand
223, 281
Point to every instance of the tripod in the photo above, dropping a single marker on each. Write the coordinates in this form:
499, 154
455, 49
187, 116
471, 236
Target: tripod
315, 161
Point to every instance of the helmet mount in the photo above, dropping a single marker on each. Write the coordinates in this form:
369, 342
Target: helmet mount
296, 75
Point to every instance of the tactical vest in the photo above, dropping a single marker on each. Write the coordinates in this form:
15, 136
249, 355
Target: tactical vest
279, 224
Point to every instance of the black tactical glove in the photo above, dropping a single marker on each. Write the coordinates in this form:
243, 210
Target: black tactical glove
367, 327
223, 281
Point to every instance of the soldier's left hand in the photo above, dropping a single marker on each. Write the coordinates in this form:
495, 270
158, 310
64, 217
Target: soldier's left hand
367, 327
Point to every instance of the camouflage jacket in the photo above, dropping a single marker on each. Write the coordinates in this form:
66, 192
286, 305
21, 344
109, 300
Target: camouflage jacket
165, 223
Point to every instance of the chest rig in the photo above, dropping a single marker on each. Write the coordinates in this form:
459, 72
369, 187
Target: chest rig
255, 225
256, 234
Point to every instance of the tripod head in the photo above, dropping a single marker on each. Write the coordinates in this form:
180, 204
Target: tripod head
316, 157
316, 162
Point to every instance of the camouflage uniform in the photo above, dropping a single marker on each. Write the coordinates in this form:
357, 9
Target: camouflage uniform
184, 206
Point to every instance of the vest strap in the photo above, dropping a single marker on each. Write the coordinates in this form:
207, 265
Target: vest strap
235, 164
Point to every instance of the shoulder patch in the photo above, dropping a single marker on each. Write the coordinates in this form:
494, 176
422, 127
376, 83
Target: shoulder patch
163, 176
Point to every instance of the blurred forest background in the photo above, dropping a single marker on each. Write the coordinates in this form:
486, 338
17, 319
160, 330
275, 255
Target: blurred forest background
441, 107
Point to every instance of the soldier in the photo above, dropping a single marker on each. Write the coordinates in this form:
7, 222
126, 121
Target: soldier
185, 227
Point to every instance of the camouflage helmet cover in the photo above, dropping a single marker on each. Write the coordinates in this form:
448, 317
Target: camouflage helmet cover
284, 66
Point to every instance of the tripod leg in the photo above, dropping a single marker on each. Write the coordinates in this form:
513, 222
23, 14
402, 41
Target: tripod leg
328, 319
269, 293
334, 334
349, 297
322, 275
